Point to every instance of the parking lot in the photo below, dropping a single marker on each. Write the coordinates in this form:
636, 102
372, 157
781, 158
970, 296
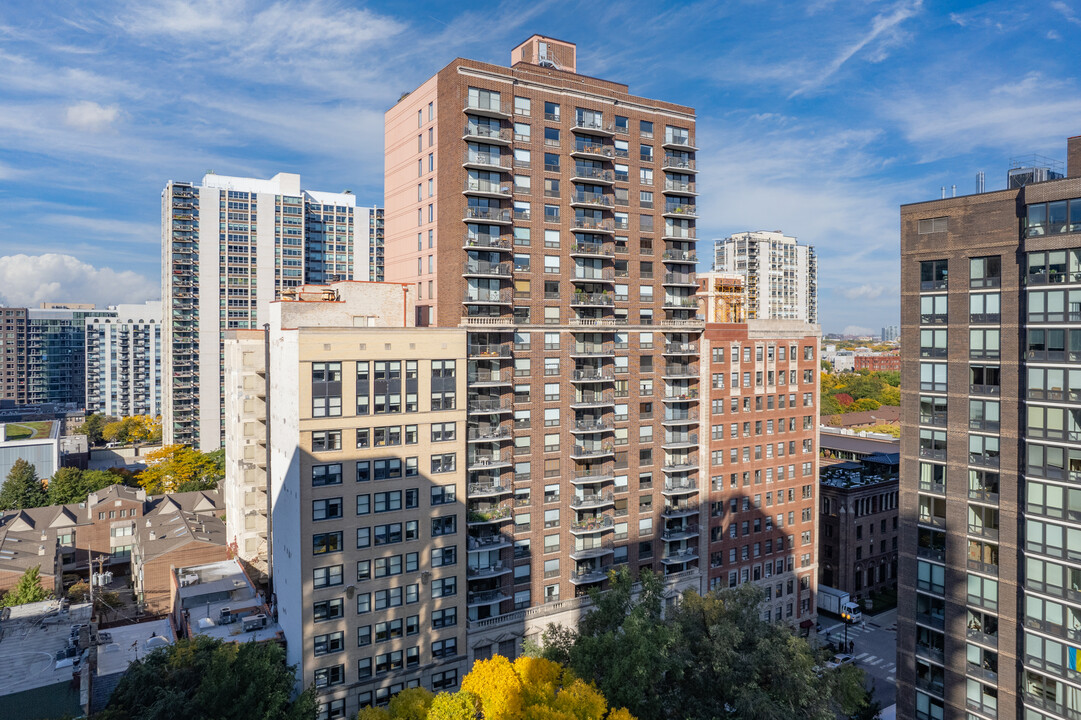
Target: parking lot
875, 651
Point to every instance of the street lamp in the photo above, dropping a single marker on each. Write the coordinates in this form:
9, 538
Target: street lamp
846, 618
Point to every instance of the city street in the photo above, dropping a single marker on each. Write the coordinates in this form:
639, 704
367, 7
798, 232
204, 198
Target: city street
875, 650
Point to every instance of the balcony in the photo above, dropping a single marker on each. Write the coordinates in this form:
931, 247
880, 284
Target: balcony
490, 162
592, 250
677, 418
680, 349
487, 108
679, 510
678, 557
676, 233
593, 127
585, 401
677, 187
677, 163
589, 275
590, 575
679, 442
681, 395
591, 350
498, 216
593, 526
487, 243
489, 462
679, 302
489, 378
583, 427
590, 501
591, 200
591, 452
593, 226
591, 375
592, 550
593, 151
592, 175
486, 597
682, 465
682, 533
488, 135
488, 297
584, 299
484, 543
680, 210
486, 517
680, 371
684, 487
488, 351
483, 188
592, 475
682, 141
489, 405
481, 268
680, 256
489, 571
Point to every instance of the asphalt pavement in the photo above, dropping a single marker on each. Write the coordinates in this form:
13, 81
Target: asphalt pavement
875, 651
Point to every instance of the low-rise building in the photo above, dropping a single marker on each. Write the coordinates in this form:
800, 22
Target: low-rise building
102, 533
884, 415
859, 523
219, 600
43, 648
876, 362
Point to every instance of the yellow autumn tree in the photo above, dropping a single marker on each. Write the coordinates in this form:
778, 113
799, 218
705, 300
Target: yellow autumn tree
178, 468
496, 689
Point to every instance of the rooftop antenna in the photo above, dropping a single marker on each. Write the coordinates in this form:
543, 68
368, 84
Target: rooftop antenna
979, 182
954, 191
943, 192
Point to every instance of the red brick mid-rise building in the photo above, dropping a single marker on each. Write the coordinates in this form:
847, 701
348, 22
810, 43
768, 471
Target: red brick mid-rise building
878, 361
763, 461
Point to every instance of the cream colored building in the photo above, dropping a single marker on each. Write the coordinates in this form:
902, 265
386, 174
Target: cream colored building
367, 530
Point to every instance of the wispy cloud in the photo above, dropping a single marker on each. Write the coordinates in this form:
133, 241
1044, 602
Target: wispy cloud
884, 26
1067, 12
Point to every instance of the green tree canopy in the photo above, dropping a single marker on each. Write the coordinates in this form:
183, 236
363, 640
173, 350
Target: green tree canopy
712, 656
92, 427
72, 485
22, 488
27, 590
206, 678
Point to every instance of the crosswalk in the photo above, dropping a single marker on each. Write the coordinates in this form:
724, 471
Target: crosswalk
836, 633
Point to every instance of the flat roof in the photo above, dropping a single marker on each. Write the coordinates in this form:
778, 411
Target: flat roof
205, 590
32, 635
857, 444
119, 647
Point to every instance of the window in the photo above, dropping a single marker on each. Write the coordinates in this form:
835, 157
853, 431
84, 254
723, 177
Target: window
445, 556
323, 475
327, 576
327, 677
444, 525
329, 643
931, 225
551, 111
326, 440
323, 543
326, 389
328, 610
645, 128
985, 272
327, 509
444, 462
442, 495
933, 274
443, 386
522, 106
444, 587
447, 617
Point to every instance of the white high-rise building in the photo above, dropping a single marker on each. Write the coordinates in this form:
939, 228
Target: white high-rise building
230, 245
123, 361
781, 275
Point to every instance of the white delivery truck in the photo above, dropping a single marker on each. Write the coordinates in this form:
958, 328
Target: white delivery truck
839, 603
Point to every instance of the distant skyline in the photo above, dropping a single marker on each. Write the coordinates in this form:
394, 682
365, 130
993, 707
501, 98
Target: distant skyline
818, 119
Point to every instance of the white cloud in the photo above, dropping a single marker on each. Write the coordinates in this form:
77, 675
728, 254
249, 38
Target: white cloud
1067, 12
90, 116
868, 291
858, 330
29, 280
885, 26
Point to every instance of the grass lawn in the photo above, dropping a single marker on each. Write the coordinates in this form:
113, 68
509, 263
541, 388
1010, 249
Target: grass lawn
29, 430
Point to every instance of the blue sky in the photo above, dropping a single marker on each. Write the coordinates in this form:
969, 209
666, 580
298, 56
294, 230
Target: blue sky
817, 118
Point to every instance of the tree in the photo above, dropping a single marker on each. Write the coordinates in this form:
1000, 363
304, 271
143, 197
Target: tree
178, 468
106, 602
92, 427
137, 428
205, 677
72, 485
864, 404
712, 656
22, 489
27, 590
529, 688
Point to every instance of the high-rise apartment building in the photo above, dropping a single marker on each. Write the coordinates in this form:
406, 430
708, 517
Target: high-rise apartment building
552, 215
763, 464
780, 274
56, 353
123, 361
990, 596
230, 246
366, 430
13, 354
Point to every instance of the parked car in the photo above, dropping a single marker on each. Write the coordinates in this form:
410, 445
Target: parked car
838, 660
